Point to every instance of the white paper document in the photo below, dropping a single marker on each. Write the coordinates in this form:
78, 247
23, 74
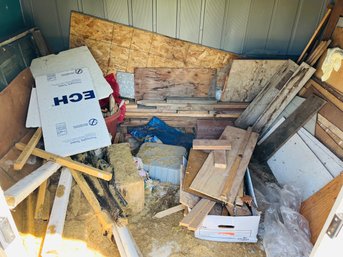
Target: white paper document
70, 114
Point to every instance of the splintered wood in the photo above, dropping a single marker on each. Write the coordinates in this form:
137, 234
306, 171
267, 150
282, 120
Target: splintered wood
160, 83
117, 47
212, 181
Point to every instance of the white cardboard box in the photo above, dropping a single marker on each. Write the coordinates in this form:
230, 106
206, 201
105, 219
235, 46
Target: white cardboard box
231, 228
70, 113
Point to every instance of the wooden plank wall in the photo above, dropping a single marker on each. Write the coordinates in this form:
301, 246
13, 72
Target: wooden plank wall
118, 47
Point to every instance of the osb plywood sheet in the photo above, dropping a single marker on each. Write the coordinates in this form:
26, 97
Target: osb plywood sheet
14, 100
160, 83
118, 47
247, 78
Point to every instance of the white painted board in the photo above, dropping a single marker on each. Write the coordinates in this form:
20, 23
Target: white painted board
295, 164
33, 118
70, 113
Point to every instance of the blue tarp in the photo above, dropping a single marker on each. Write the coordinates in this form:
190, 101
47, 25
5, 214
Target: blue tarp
168, 135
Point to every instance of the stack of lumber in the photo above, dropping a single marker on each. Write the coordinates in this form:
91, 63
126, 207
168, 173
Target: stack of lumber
217, 176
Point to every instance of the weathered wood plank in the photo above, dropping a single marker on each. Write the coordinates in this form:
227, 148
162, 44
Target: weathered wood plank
219, 157
267, 95
169, 211
247, 78
288, 128
211, 128
287, 93
161, 83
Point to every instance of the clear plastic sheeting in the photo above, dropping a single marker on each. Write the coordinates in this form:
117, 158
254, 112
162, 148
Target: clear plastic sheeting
284, 230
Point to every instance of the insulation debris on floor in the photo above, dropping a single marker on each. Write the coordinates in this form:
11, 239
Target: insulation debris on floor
180, 150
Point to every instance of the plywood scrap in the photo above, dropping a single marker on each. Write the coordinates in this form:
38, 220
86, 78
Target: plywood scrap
266, 95
208, 144
25, 154
127, 179
211, 180
288, 128
169, 211
193, 220
53, 235
19, 191
317, 207
247, 78
68, 163
160, 83
284, 97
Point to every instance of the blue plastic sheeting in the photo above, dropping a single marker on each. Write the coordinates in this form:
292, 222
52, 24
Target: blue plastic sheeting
168, 135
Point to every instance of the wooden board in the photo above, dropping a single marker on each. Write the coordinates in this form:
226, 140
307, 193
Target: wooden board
211, 180
219, 157
266, 96
208, 144
284, 97
14, 100
211, 129
118, 47
288, 128
328, 141
317, 207
247, 78
295, 164
160, 83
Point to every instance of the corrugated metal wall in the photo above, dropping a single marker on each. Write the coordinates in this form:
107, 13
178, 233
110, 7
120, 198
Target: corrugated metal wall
250, 27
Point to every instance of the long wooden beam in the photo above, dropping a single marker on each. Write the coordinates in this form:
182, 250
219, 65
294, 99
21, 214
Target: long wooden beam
68, 163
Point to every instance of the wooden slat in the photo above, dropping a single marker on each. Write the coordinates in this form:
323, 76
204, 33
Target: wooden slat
267, 95
53, 235
200, 216
233, 114
184, 99
162, 83
330, 126
169, 211
287, 93
41, 208
68, 163
219, 157
208, 144
335, 138
211, 129
317, 207
19, 191
210, 180
289, 127
328, 141
25, 154
336, 12
315, 34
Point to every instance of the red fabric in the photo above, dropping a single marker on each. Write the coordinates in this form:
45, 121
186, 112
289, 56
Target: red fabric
115, 87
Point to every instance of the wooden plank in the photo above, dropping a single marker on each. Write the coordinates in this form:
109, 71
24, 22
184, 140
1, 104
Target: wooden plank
317, 207
25, 154
41, 208
247, 78
219, 157
14, 101
191, 100
132, 47
210, 144
211, 180
287, 93
19, 191
197, 105
200, 210
169, 211
187, 199
288, 128
328, 141
53, 235
40, 42
68, 163
200, 216
211, 129
319, 53
267, 95
335, 138
315, 34
334, 17
233, 114
162, 83
330, 126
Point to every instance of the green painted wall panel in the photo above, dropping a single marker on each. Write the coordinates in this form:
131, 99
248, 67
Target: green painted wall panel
11, 20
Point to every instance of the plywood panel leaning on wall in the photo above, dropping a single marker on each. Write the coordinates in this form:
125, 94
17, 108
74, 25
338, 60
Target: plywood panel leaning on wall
118, 47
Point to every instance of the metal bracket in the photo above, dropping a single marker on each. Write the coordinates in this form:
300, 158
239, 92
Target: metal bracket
335, 225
